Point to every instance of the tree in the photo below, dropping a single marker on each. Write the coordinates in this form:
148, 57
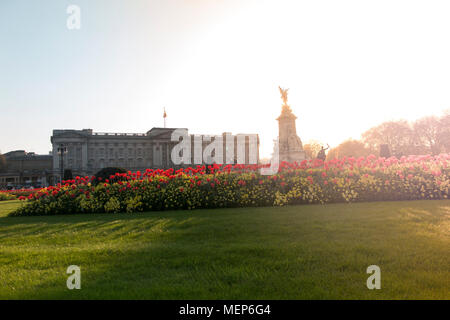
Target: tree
349, 148
398, 135
427, 134
385, 152
311, 148
68, 174
444, 132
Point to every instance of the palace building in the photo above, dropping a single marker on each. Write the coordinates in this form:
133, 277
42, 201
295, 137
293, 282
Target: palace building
26, 169
87, 151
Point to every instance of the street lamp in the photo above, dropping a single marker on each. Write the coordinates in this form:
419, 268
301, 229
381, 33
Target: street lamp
62, 150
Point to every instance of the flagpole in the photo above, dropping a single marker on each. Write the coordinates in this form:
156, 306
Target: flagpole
164, 116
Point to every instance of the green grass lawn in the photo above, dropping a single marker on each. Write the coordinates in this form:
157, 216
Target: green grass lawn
296, 252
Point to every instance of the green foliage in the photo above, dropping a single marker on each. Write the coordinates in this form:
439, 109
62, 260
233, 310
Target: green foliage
112, 205
4, 196
68, 174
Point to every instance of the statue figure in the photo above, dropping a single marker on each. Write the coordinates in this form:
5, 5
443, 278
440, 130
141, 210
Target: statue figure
321, 154
284, 94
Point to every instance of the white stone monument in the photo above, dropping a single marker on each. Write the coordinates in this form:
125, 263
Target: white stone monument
290, 145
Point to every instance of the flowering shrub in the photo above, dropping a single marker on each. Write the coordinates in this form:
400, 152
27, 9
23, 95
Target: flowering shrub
20, 192
219, 186
6, 196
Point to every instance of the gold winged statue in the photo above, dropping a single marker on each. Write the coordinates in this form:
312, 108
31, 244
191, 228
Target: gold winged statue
284, 94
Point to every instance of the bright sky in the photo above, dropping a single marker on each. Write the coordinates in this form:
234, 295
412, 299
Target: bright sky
216, 66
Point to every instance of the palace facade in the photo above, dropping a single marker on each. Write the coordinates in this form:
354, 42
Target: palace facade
26, 169
89, 151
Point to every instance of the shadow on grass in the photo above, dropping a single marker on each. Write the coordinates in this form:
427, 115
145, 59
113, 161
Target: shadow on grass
299, 252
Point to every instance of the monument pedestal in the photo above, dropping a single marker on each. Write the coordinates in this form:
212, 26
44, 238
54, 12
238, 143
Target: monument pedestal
290, 144
292, 156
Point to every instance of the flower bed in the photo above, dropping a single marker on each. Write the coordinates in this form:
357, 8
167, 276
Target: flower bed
14, 194
4, 196
343, 180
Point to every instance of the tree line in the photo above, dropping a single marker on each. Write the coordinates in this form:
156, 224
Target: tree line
427, 135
